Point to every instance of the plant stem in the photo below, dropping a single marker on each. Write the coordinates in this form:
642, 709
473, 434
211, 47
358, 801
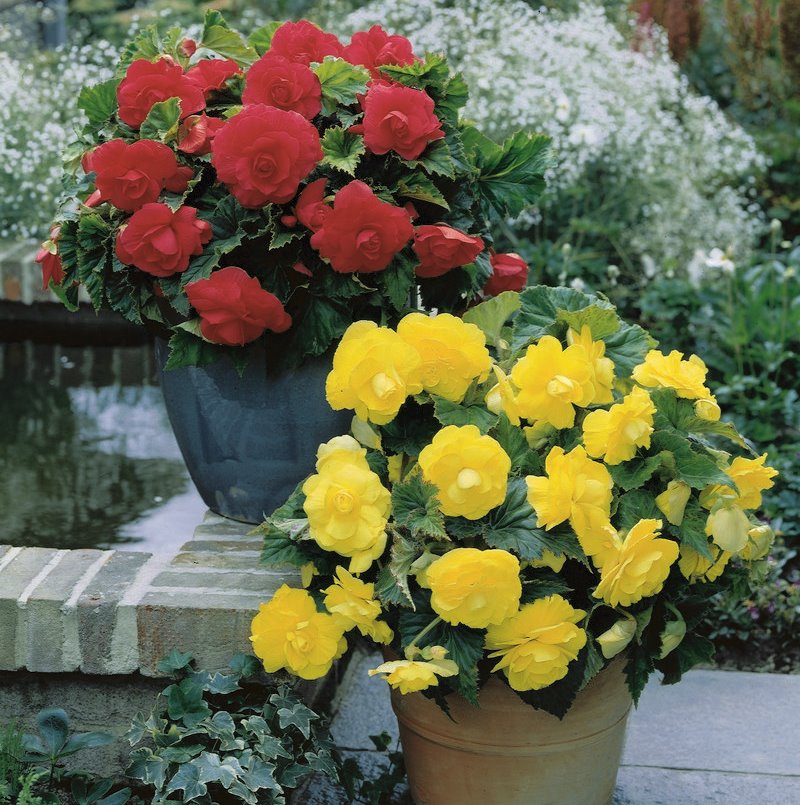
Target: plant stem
431, 625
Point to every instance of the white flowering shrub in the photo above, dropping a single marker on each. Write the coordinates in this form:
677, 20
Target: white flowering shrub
645, 166
38, 119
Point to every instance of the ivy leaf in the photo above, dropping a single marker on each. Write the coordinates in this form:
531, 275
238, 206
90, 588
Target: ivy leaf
99, 101
636, 472
511, 175
185, 703
420, 187
212, 769
175, 661
261, 38
627, 347
491, 316
298, 716
162, 121
187, 779
414, 505
148, 767
450, 413
342, 150
340, 82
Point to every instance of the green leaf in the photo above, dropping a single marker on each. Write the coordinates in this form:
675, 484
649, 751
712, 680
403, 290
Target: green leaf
261, 38
512, 526
696, 469
398, 280
342, 150
601, 318
175, 661
298, 715
99, 101
404, 553
410, 431
594, 661
212, 769
432, 71
185, 703
53, 726
146, 45
636, 472
187, 779
148, 767
692, 530
679, 414
162, 121
435, 159
389, 591
637, 505
315, 329
511, 176
524, 461
280, 549
189, 350
418, 186
627, 347
227, 43
491, 316
545, 583
415, 506
540, 308
450, 413
340, 82
638, 669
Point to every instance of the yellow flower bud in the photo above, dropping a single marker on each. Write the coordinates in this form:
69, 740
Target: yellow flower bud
617, 638
707, 409
289, 633
475, 587
537, 644
410, 676
729, 527
469, 471
639, 567
374, 371
672, 501
453, 352
759, 541
687, 377
365, 434
672, 636
552, 381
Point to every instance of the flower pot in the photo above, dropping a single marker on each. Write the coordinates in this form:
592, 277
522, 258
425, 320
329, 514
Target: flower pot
248, 441
507, 753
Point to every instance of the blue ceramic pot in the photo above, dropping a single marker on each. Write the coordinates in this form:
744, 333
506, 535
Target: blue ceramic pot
248, 441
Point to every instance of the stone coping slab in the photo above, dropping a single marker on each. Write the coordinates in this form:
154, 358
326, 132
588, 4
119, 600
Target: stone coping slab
120, 612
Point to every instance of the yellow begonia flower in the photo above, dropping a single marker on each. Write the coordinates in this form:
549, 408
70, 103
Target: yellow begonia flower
639, 567
374, 371
353, 602
708, 409
600, 544
602, 367
552, 381
453, 352
409, 676
475, 587
672, 501
289, 633
537, 644
575, 489
695, 566
751, 477
728, 526
470, 471
759, 541
502, 397
347, 506
551, 560
614, 435
617, 638
340, 447
671, 371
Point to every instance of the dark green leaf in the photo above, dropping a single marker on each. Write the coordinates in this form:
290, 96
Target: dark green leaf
188, 350
634, 506
679, 414
389, 591
636, 472
539, 312
418, 186
53, 726
524, 461
692, 530
175, 661
692, 650
627, 347
435, 159
398, 280
694, 468
316, 329
638, 669
415, 506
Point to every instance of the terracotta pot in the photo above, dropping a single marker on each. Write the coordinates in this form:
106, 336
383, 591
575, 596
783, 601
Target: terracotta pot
507, 753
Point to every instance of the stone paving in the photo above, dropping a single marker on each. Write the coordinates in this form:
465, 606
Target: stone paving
717, 737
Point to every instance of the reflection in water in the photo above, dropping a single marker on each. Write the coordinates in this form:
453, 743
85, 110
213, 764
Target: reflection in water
87, 456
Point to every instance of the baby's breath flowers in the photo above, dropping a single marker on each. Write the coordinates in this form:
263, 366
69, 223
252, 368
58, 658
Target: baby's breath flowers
531, 518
